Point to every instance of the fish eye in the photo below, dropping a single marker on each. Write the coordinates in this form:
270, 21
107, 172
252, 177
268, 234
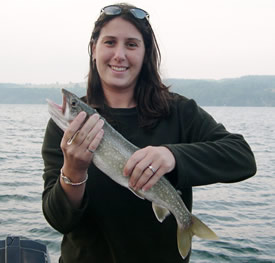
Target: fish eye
73, 103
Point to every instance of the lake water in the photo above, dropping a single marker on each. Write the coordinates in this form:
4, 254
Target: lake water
242, 214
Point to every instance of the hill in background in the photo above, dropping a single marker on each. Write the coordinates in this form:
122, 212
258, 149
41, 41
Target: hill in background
244, 91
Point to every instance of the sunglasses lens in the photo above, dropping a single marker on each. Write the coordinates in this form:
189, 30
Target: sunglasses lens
138, 13
112, 10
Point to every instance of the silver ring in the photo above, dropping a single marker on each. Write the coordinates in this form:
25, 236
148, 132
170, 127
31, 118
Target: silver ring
91, 151
152, 168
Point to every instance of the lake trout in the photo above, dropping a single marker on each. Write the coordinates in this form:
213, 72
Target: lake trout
111, 156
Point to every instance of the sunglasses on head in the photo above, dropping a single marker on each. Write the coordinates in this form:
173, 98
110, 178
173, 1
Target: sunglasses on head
112, 10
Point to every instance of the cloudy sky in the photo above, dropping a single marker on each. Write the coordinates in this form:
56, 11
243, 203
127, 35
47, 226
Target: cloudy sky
45, 41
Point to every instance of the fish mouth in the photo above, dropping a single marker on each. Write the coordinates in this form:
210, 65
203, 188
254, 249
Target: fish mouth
57, 112
59, 109
56, 107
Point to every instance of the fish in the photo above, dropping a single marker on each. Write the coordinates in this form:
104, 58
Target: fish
111, 156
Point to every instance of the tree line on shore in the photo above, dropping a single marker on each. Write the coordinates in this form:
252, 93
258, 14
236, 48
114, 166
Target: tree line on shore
244, 91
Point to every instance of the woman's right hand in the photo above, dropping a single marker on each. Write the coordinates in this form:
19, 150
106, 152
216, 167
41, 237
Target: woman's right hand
76, 141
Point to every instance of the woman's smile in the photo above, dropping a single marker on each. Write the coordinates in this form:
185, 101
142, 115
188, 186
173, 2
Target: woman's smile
119, 54
119, 68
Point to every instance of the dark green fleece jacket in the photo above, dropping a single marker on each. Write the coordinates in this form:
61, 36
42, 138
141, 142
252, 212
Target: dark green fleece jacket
113, 225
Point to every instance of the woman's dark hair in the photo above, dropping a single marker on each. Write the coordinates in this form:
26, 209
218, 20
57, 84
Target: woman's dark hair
151, 95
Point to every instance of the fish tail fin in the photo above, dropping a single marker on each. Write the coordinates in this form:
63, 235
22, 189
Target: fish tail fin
185, 234
201, 230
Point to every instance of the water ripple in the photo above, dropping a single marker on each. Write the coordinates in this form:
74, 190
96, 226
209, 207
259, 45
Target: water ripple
242, 214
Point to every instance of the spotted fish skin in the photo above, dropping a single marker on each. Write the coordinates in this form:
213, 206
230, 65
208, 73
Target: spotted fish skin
111, 156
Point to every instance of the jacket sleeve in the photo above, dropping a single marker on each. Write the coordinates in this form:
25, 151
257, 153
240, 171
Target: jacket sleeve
57, 209
210, 153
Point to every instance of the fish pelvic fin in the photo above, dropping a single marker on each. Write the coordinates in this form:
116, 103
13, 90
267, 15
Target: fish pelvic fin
185, 234
136, 193
160, 212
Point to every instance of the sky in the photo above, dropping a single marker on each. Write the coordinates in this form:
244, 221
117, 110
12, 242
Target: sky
46, 41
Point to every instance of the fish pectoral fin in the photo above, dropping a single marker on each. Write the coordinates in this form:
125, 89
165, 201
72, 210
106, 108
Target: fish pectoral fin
136, 193
160, 212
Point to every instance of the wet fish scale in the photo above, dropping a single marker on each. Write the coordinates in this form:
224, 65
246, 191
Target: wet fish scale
111, 156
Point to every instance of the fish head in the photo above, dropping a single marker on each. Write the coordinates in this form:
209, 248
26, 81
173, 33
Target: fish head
71, 106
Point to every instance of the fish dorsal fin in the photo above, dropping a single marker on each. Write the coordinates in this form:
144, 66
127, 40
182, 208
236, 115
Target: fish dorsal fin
160, 212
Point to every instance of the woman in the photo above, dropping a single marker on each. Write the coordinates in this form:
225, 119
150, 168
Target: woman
102, 221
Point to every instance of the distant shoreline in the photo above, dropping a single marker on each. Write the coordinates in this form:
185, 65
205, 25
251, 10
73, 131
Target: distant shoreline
246, 91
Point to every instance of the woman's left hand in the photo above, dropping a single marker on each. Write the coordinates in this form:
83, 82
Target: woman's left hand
146, 166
